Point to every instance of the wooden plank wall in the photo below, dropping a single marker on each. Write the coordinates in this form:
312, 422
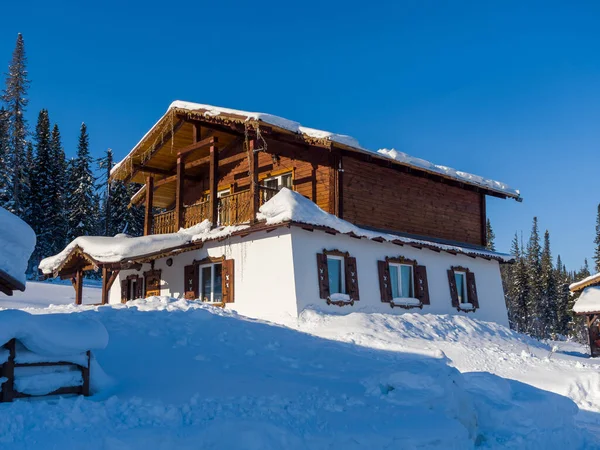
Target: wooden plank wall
310, 166
385, 198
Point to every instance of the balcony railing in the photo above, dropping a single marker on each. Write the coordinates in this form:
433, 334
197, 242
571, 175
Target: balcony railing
232, 209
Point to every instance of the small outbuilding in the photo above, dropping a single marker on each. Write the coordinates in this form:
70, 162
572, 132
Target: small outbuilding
588, 305
17, 241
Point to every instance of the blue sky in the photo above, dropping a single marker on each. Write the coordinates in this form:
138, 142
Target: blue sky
506, 90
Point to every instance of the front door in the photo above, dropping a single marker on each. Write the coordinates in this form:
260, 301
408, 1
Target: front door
152, 278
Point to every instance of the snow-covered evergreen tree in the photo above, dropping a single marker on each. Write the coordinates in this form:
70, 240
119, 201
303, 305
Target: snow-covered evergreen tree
15, 99
5, 162
534, 273
597, 242
563, 315
489, 236
58, 220
549, 302
518, 289
81, 202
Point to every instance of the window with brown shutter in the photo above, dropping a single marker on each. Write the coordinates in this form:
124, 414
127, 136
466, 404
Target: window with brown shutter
337, 277
351, 278
124, 290
323, 276
190, 280
152, 283
228, 281
463, 290
403, 283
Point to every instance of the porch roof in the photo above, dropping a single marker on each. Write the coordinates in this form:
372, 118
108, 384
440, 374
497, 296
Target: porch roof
588, 302
582, 284
172, 133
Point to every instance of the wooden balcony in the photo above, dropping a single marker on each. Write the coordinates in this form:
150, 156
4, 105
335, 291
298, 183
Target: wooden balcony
232, 209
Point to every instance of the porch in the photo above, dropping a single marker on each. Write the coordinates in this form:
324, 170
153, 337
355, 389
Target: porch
234, 208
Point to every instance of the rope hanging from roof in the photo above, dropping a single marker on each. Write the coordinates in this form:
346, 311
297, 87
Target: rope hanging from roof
259, 138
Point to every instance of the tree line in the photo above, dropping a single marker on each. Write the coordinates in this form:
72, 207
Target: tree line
61, 198
536, 288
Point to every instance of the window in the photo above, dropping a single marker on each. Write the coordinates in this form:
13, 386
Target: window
335, 269
275, 184
401, 278
460, 279
211, 283
132, 289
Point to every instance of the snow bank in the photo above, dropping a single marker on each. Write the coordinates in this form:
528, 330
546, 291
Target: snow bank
121, 247
588, 301
17, 241
290, 206
52, 334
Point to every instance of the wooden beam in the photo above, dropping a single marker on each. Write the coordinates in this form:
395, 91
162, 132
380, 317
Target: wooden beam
254, 187
79, 287
197, 145
105, 285
179, 188
148, 206
166, 138
152, 170
213, 183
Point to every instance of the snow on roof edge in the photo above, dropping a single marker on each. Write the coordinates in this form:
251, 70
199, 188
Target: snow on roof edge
349, 141
589, 301
578, 285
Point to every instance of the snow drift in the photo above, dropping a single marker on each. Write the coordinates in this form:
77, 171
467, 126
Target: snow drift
17, 241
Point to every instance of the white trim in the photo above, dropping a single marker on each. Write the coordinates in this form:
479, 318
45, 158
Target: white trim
342, 273
279, 179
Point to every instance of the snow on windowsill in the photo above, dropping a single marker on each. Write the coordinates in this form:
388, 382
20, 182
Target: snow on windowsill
466, 307
406, 302
338, 297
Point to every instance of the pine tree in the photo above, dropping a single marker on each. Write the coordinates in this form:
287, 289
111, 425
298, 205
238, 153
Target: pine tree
57, 192
41, 185
548, 305
534, 272
519, 289
81, 205
104, 186
489, 236
597, 242
25, 188
562, 298
5, 161
15, 98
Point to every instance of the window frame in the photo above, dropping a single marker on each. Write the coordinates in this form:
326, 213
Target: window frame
212, 281
132, 288
342, 260
279, 178
463, 297
399, 278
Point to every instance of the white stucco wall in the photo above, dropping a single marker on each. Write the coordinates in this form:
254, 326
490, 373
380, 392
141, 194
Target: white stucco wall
264, 275
306, 245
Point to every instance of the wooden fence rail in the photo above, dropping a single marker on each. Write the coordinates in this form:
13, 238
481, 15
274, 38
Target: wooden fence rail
7, 370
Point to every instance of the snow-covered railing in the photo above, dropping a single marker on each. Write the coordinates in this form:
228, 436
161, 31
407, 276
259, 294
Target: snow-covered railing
50, 378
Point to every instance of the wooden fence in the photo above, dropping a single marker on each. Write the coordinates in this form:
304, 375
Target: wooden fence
7, 370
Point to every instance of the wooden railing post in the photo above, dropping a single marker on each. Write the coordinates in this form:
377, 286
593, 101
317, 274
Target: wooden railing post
79, 287
213, 182
254, 187
105, 277
8, 371
179, 192
149, 201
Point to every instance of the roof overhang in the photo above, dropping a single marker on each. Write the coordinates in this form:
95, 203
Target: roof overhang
8, 283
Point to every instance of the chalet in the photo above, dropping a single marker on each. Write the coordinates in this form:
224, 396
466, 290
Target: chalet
588, 305
259, 214
17, 241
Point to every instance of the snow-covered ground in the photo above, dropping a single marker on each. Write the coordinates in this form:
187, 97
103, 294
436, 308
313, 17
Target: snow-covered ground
186, 375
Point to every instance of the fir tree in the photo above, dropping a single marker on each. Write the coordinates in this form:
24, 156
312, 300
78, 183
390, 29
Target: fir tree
81, 204
15, 99
5, 161
549, 293
489, 236
597, 242
534, 272
562, 298
519, 289
57, 192
41, 184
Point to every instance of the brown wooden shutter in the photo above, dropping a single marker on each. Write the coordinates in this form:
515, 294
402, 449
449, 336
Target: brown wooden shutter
124, 286
190, 282
421, 286
385, 284
453, 291
139, 287
472, 290
227, 280
351, 278
152, 283
323, 275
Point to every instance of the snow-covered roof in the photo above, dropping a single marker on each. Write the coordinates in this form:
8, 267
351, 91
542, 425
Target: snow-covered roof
17, 242
290, 206
345, 141
121, 248
52, 334
588, 302
579, 285
286, 206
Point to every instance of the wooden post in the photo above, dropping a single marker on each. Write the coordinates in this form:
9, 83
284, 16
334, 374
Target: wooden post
340, 188
85, 375
213, 183
8, 371
105, 285
179, 192
254, 187
79, 287
149, 202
